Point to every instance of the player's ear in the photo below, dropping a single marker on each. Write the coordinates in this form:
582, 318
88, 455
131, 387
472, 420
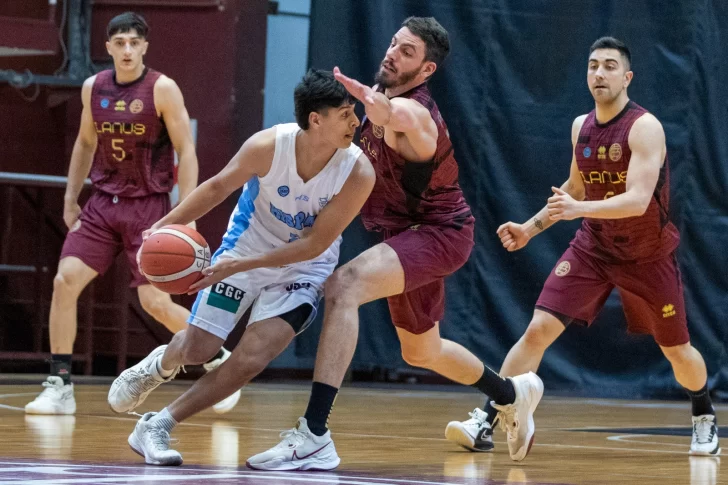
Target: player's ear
628, 78
145, 47
314, 119
108, 47
429, 69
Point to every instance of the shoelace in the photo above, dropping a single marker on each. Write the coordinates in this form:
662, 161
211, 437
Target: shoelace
506, 419
478, 417
703, 429
139, 382
50, 391
293, 436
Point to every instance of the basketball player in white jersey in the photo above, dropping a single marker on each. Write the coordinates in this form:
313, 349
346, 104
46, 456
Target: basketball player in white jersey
304, 183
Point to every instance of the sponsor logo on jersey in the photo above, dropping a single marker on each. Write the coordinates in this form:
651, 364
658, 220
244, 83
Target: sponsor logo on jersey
104, 103
615, 152
225, 297
136, 106
668, 311
120, 105
283, 190
297, 286
299, 221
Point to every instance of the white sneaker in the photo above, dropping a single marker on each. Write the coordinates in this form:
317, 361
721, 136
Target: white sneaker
517, 419
705, 436
229, 402
475, 434
56, 398
299, 450
133, 386
152, 442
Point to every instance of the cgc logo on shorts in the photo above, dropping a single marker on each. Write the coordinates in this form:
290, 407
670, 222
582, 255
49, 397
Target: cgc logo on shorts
668, 311
297, 286
563, 268
225, 297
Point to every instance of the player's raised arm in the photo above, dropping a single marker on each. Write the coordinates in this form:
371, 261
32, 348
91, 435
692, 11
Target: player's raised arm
171, 106
253, 158
401, 115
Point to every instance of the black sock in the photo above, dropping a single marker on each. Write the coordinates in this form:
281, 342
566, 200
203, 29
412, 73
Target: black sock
499, 389
218, 355
319, 407
61, 366
701, 401
488, 408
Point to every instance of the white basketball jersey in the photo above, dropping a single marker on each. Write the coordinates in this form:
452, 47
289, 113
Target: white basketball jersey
281, 207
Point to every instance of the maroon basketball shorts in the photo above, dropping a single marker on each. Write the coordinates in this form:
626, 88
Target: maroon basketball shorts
428, 254
651, 293
110, 224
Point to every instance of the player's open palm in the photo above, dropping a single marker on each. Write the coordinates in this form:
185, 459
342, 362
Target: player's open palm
360, 91
513, 236
71, 213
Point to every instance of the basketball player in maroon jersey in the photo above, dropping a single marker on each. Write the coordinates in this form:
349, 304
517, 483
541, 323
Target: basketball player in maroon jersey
428, 234
133, 120
619, 185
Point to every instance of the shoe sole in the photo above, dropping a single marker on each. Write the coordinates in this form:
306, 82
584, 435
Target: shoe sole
136, 448
531, 424
223, 406
292, 466
456, 433
715, 452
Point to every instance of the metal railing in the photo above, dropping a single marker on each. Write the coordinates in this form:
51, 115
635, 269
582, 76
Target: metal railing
45, 226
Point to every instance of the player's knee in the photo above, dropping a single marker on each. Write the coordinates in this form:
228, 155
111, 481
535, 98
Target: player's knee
539, 333
340, 288
679, 354
66, 284
418, 357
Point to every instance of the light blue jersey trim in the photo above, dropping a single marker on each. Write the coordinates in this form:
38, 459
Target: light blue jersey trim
243, 213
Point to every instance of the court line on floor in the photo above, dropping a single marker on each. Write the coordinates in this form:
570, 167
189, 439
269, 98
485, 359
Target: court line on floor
217, 473
360, 435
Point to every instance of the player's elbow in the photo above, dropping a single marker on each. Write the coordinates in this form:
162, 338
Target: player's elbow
640, 205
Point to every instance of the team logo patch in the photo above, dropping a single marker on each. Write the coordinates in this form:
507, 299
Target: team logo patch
225, 297
136, 106
563, 268
668, 311
378, 130
120, 105
105, 103
587, 152
602, 153
283, 190
615, 152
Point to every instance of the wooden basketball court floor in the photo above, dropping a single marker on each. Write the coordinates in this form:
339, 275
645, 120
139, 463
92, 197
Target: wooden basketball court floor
384, 436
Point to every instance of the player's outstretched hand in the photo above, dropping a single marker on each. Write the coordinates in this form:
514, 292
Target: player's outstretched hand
215, 274
363, 93
513, 236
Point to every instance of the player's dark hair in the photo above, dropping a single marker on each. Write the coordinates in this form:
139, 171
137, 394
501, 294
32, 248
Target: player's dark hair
126, 22
317, 91
434, 35
612, 43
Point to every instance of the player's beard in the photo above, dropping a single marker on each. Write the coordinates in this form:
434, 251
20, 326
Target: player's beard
398, 79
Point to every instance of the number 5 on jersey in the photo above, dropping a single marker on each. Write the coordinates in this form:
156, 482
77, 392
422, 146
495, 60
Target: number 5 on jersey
117, 144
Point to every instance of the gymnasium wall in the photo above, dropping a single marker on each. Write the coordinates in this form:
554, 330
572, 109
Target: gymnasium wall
514, 82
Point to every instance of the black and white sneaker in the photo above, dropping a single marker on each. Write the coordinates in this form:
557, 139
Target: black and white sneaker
475, 434
705, 436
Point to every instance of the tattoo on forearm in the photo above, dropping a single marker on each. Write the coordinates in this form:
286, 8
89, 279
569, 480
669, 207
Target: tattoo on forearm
538, 224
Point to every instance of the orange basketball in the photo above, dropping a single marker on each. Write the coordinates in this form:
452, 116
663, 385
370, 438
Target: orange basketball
173, 258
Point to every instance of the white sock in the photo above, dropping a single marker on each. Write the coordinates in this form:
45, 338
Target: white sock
162, 371
164, 420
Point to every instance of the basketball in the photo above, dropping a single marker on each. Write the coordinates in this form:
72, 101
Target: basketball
173, 258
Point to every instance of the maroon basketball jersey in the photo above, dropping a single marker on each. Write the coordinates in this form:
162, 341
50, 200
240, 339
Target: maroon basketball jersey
135, 156
602, 155
410, 193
